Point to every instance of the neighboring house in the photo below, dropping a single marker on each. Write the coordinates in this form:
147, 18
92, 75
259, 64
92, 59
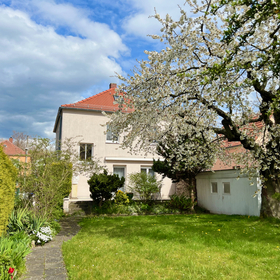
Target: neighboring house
85, 119
14, 152
226, 191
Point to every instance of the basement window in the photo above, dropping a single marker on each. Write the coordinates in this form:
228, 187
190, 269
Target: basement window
226, 188
214, 187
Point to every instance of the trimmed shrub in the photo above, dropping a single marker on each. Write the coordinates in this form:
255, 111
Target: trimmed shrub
102, 186
8, 174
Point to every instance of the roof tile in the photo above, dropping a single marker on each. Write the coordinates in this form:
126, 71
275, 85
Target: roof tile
10, 149
103, 101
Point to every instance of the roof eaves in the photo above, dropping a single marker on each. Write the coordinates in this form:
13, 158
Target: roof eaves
57, 119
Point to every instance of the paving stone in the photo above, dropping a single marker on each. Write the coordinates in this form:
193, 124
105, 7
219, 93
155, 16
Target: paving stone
61, 277
46, 262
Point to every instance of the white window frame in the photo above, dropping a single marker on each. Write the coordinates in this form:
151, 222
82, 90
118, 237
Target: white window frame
86, 145
227, 193
211, 186
109, 134
147, 169
124, 173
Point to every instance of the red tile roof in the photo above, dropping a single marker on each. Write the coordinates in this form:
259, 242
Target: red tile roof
236, 147
10, 149
103, 101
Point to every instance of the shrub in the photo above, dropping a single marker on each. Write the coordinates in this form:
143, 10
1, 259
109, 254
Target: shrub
144, 185
181, 202
48, 176
121, 198
8, 175
102, 186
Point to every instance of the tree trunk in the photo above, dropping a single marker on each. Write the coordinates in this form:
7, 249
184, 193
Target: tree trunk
270, 206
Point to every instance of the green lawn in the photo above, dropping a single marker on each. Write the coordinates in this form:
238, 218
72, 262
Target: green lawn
175, 247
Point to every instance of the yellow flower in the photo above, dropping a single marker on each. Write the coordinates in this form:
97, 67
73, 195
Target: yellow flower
219, 230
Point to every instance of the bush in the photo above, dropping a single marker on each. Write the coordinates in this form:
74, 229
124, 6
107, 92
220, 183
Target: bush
102, 186
181, 202
145, 185
48, 176
121, 198
8, 174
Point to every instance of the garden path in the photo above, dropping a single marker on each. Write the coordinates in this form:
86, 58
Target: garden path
46, 262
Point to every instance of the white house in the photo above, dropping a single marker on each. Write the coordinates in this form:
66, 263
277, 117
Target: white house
86, 120
226, 191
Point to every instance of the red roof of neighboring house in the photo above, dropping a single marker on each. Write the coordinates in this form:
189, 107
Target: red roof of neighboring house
103, 101
10, 149
237, 147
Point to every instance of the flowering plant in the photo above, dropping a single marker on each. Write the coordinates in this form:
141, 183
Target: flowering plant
121, 198
43, 235
12, 272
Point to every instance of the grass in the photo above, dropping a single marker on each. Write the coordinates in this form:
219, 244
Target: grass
175, 247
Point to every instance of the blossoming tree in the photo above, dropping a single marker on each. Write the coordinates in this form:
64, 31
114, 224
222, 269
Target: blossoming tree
217, 75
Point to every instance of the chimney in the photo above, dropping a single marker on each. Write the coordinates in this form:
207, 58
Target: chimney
112, 85
11, 139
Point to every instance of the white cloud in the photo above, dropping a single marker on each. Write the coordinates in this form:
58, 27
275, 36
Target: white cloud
77, 20
140, 24
40, 69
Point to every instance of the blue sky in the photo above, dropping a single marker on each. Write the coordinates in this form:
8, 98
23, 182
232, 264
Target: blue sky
54, 52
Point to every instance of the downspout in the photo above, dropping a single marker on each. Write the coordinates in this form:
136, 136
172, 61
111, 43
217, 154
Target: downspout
60, 130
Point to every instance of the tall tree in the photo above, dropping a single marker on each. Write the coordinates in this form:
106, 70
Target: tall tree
219, 74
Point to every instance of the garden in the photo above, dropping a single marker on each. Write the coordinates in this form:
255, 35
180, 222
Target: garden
194, 246
31, 204
129, 235
32, 198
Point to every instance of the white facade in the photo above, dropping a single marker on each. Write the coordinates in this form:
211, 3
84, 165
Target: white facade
88, 127
222, 193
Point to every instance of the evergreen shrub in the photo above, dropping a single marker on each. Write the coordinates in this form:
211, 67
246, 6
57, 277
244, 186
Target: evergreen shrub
102, 186
8, 174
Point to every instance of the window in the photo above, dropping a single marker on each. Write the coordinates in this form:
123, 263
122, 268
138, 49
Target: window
86, 151
226, 188
120, 171
110, 136
148, 170
214, 187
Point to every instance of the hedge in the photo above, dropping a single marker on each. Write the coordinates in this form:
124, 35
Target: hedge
8, 174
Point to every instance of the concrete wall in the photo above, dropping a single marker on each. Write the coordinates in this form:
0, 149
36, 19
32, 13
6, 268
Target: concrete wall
241, 200
86, 127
